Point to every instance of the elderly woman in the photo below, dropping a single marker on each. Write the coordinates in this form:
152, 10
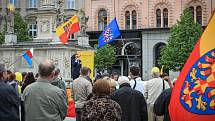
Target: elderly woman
100, 107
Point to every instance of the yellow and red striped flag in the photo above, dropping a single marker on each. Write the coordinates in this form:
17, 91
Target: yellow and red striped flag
66, 29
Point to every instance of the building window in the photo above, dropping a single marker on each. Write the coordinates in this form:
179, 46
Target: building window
199, 14
32, 30
127, 20
165, 17
70, 4
32, 3
102, 19
158, 18
192, 11
196, 14
14, 2
134, 19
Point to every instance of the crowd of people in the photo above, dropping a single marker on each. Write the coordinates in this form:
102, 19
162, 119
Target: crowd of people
109, 97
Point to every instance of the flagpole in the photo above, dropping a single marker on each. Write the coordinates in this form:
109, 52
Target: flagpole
20, 56
125, 51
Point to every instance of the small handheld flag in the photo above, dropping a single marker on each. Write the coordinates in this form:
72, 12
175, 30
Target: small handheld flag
28, 55
193, 97
66, 29
110, 33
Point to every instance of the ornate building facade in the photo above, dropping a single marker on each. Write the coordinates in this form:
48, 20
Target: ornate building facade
144, 25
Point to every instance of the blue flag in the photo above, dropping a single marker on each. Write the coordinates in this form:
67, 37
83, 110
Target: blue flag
110, 33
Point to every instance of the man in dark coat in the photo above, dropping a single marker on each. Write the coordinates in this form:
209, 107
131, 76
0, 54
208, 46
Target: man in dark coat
9, 102
76, 66
132, 102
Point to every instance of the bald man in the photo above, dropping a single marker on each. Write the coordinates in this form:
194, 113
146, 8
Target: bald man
43, 101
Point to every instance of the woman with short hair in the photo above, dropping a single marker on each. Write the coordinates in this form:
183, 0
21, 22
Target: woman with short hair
100, 107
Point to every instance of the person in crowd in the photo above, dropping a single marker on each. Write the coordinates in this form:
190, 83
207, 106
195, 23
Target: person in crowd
23, 76
57, 81
115, 76
153, 89
113, 84
100, 107
162, 103
166, 78
29, 79
88, 76
82, 88
132, 102
13, 82
42, 100
76, 66
98, 75
36, 76
9, 102
136, 82
19, 80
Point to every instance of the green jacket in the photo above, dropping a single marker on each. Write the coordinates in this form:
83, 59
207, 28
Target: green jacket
44, 102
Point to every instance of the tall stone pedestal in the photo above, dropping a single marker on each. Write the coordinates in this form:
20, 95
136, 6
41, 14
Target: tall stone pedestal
83, 41
10, 38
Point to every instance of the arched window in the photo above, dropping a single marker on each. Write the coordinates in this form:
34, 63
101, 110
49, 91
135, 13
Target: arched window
165, 17
157, 52
192, 11
158, 18
134, 19
102, 19
199, 14
127, 20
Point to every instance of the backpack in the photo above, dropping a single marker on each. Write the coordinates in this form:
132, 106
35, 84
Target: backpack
161, 102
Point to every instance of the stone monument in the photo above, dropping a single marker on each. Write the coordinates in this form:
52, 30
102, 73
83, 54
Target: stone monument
10, 37
83, 38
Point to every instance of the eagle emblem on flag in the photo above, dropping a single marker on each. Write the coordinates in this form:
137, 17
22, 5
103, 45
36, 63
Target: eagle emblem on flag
108, 35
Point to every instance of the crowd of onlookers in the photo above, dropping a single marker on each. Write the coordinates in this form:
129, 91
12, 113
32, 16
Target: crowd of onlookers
109, 97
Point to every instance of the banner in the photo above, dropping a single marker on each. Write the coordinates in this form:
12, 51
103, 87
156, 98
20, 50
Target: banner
87, 59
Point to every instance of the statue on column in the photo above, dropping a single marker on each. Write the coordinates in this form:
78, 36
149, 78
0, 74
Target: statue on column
10, 19
60, 12
83, 23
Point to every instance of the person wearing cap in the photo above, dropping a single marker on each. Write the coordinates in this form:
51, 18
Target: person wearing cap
153, 88
9, 102
132, 102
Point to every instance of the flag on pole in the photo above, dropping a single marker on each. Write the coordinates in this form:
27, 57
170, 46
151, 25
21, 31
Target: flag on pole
28, 55
66, 29
193, 97
110, 33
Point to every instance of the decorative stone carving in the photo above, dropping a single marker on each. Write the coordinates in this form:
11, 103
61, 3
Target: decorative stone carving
60, 12
83, 22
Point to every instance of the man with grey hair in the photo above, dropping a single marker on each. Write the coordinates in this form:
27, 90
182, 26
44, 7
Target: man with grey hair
152, 90
9, 102
131, 101
43, 101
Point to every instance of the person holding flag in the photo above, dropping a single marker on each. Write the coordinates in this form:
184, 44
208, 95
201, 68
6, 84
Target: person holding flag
193, 96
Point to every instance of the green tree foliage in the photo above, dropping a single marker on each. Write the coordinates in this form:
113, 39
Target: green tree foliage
181, 42
105, 57
21, 28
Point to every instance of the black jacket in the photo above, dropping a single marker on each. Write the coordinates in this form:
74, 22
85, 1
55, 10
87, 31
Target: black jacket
9, 103
132, 103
